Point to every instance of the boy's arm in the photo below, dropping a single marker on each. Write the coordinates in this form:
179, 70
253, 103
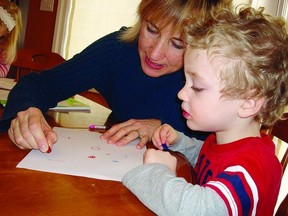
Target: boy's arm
190, 147
158, 188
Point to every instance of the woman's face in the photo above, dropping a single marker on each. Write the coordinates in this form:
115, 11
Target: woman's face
161, 52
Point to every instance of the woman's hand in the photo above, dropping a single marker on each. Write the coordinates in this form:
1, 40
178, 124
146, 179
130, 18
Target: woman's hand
164, 134
30, 130
124, 133
157, 156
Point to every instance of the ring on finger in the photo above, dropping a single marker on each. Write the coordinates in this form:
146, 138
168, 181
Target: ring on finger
139, 134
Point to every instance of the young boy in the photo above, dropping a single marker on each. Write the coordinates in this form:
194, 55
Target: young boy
236, 81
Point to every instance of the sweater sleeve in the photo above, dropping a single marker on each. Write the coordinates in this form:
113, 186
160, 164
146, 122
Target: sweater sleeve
165, 194
190, 147
84, 71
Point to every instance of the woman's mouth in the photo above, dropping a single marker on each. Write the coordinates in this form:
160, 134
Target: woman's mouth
153, 65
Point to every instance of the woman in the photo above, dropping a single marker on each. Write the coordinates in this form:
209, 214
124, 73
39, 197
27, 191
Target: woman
10, 27
138, 70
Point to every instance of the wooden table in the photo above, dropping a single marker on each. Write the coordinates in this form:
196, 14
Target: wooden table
27, 192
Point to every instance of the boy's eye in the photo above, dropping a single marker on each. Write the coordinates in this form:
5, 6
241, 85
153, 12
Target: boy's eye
197, 89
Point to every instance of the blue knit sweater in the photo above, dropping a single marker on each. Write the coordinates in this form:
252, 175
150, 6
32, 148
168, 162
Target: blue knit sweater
113, 68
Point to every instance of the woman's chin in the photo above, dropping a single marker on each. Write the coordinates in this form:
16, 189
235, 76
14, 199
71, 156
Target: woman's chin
152, 73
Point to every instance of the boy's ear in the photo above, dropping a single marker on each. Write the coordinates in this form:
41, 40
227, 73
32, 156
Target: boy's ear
250, 107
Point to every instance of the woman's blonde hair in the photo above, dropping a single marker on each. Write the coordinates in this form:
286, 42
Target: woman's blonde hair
167, 12
9, 42
253, 47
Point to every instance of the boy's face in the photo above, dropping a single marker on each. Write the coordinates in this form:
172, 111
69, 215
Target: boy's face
202, 105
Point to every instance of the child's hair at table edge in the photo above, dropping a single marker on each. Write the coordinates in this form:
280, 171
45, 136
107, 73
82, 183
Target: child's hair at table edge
254, 50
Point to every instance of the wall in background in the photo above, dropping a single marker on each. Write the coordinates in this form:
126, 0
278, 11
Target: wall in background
91, 20
80, 23
40, 26
24, 6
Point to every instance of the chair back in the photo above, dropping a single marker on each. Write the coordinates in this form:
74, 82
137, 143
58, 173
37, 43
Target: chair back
28, 60
280, 131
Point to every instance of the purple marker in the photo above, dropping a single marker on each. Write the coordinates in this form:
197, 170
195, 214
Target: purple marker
165, 147
98, 127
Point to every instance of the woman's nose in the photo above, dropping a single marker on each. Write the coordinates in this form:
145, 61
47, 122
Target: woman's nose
157, 50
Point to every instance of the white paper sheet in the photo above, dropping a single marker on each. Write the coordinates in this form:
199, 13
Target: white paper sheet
4, 94
80, 152
7, 83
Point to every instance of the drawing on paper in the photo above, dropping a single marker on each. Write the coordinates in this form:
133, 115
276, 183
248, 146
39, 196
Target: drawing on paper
95, 148
82, 153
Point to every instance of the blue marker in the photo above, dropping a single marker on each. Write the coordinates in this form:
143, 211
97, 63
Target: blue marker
165, 147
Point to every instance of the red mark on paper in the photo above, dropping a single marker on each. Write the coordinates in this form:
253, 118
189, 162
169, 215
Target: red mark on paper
92, 156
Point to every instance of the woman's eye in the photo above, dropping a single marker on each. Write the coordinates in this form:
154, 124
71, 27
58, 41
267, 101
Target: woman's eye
178, 45
197, 89
152, 30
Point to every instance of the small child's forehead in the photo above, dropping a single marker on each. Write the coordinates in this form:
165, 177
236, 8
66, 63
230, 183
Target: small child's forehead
191, 53
198, 63
3, 27
192, 73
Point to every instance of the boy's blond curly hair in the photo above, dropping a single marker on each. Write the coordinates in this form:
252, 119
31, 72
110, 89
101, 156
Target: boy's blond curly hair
254, 49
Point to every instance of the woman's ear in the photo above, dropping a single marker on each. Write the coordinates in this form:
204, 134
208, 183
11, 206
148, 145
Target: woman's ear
250, 107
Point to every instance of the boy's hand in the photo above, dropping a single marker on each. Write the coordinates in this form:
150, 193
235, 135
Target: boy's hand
156, 156
164, 134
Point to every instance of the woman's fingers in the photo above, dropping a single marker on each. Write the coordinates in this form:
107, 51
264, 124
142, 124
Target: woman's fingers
126, 132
